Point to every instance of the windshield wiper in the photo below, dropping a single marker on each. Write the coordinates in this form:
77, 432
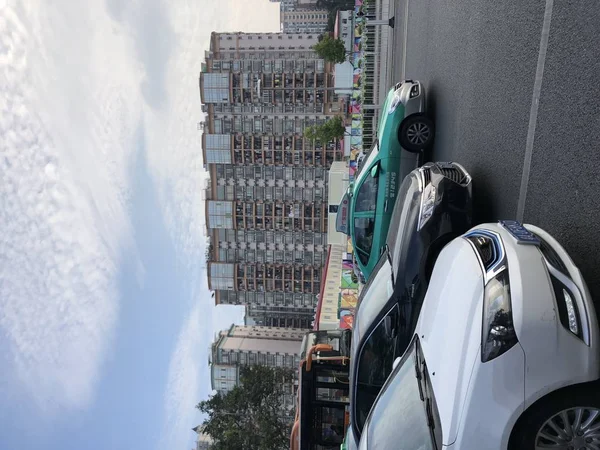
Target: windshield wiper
419, 377
428, 406
430, 421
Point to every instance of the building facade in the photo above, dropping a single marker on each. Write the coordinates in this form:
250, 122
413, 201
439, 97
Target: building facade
203, 441
243, 345
266, 202
302, 16
301, 20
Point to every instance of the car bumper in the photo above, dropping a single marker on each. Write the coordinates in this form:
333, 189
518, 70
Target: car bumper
554, 356
414, 103
547, 356
452, 213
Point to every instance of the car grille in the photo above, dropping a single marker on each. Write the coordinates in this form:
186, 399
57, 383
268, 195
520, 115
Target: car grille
552, 257
454, 174
426, 176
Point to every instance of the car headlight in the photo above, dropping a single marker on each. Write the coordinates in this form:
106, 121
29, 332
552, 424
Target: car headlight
427, 205
571, 313
498, 334
395, 102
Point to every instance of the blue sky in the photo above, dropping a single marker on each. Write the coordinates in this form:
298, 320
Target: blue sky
105, 316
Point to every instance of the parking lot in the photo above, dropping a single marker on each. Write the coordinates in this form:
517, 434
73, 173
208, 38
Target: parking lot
514, 90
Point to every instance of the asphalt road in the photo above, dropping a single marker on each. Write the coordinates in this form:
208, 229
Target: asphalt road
514, 87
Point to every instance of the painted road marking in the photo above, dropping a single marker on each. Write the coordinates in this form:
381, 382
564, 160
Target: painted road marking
404, 39
533, 113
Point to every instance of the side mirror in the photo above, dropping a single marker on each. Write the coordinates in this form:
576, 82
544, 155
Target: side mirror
396, 362
375, 170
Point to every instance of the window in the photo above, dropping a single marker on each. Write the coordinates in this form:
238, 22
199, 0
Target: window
364, 228
375, 364
366, 199
405, 394
333, 209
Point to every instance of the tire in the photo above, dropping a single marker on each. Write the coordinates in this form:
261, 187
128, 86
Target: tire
416, 133
584, 398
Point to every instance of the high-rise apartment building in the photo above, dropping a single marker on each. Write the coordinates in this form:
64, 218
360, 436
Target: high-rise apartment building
302, 16
254, 345
304, 21
266, 203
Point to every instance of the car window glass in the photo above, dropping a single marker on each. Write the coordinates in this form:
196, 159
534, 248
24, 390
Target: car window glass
364, 227
375, 364
373, 299
368, 159
366, 198
398, 418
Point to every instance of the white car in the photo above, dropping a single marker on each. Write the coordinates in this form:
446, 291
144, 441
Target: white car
504, 355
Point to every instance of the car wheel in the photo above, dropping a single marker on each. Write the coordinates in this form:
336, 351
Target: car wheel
416, 133
568, 419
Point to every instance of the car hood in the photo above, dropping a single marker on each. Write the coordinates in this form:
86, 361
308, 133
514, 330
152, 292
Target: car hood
383, 117
449, 328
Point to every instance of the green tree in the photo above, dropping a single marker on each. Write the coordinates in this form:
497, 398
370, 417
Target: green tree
326, 132
330, 49
250, 416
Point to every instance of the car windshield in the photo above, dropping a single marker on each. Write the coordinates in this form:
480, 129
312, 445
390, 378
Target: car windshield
400, 418
366, 198
367, 159
364, 227
374, 365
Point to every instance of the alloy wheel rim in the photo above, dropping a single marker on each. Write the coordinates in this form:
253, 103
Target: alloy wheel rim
570, 429
418, 133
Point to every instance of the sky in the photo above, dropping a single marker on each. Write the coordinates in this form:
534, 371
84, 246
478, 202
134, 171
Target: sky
105, 315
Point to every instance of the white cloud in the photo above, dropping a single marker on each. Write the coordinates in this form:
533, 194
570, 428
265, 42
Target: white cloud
175, 161
184, 388
75, 79
66, 122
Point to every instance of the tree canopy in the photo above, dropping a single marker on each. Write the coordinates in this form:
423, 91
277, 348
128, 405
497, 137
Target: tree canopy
250, 416
330, 49
326, 132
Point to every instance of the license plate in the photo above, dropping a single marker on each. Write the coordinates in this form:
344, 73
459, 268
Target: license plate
520, 233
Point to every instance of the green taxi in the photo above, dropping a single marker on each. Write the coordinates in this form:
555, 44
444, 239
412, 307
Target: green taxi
403, 131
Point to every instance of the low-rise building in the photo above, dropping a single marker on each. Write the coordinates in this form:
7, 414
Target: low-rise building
243, 345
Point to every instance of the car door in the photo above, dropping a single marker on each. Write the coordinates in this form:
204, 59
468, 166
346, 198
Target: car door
364, 219
364, 231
